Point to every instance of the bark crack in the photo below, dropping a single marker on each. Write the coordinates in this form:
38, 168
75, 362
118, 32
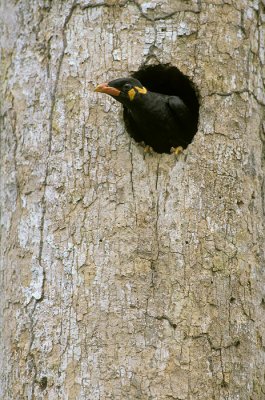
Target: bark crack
53, 101
31, 356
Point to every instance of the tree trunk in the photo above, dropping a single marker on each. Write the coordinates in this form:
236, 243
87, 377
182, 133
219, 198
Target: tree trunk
124, 276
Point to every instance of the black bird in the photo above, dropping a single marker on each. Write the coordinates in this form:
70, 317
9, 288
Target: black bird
161, 121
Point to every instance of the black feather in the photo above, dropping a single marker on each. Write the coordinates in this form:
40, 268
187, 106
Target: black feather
160, 121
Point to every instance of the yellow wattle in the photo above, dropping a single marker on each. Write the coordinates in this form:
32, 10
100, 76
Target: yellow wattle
131, 94
142, 90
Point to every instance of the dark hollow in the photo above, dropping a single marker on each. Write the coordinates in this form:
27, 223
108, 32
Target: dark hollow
167, 79
43, 382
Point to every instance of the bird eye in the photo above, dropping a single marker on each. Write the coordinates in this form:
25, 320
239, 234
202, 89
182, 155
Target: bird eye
127, 86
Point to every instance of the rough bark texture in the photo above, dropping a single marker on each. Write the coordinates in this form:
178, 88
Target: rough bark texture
124, 276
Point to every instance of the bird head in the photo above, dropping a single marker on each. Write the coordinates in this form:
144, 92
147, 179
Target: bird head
124, 90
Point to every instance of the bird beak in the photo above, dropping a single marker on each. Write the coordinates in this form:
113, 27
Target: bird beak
105, 88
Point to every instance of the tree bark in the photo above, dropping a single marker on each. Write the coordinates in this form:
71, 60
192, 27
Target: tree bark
124, 276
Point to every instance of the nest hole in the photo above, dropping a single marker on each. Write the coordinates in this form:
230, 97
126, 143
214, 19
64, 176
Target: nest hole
169, 80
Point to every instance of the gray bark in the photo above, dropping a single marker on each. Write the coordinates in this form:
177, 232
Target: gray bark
124, 276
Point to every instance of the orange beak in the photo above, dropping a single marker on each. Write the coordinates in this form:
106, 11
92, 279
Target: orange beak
105, 88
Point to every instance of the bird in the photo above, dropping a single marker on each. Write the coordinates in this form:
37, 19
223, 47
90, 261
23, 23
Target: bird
163, 122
